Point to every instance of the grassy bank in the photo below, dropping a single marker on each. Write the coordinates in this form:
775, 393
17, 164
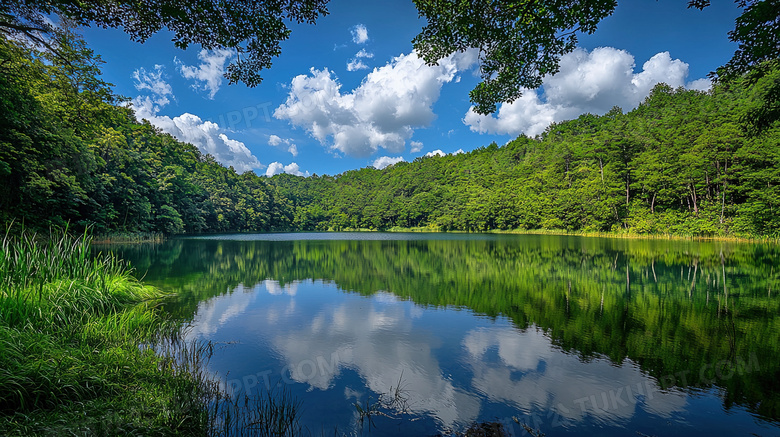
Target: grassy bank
129, 238
84, 351
639, 236
621, 234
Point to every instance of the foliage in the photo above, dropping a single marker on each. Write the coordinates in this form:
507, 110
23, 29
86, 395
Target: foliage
757, 31
253, 29
678, 164
519, 42
69, 154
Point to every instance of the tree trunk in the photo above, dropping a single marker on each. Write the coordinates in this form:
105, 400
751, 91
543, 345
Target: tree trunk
652, 205
723, 200
628, 184
601, 168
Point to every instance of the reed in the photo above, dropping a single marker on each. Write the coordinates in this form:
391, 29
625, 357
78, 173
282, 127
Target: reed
129, 238
85, 350
70, 363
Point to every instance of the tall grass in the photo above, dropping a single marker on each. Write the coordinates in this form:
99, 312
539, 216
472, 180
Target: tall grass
52, 283
129, 238
85, 350
70, 362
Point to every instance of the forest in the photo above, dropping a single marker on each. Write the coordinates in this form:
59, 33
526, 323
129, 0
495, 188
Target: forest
683, 163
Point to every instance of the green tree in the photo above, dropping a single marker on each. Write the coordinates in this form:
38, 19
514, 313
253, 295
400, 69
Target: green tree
520, 42
253, 29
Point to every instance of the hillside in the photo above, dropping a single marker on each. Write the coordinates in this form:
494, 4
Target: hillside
680, 163
72, 152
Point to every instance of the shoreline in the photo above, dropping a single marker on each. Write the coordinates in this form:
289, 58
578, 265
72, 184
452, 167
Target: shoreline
560, 232
122, 239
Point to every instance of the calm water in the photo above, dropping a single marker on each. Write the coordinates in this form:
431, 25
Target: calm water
566, 334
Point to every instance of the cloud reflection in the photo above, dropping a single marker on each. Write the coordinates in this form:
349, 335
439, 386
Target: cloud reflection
318, 336
377, 339
533, 375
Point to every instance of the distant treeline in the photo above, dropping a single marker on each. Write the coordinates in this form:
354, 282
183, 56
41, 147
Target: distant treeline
678, 164
71, 152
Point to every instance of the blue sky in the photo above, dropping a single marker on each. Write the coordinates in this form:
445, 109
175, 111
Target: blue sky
348, 92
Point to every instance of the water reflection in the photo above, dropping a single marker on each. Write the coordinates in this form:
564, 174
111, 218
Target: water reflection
567, 334
534, 376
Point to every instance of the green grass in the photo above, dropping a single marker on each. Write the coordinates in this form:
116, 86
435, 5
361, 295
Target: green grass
616, 234
84, 350
128, 238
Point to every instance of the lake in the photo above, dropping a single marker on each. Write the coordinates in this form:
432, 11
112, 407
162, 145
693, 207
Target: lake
434, 332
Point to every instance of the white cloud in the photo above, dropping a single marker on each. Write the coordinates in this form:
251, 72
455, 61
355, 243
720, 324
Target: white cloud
359, 34
591, 82
208, 75
436, 152
154, 83
275, 168
208, 137
284, 143
382, 112
274, 140
702, 84
458, 152
416, 146
386, 161
525, 115
356, 64
364, 54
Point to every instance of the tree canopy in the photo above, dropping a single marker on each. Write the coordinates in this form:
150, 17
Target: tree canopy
253, 29
68, 153
519, 42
